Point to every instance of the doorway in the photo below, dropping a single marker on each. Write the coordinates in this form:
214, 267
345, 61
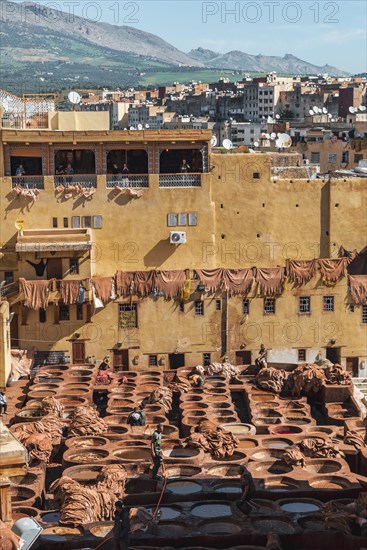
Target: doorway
352, 366
176, 360
14, 332
334, 355
78, 350
120, 359
243, 357
54, 268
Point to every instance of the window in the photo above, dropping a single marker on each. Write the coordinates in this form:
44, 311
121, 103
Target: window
304, 304
256, 175
128, 316
181, 307
328, 303
199, 307
171, 220
315, 158
345, 156
218, 305
79, 312
206, 359
9, 277
66, 222
182, 219
75, 222
54, 222
364, 314
193, 218
97, 222
74, 266
42, 315
245, 307
358, 157
153, 360
332, 157
269, 306
86, 221
64, 313
301, 355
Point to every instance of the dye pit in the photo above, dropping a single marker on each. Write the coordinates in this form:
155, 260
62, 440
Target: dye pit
199, 500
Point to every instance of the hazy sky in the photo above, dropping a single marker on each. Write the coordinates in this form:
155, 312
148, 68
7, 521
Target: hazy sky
320, 32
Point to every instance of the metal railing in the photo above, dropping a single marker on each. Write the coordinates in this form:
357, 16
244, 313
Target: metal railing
70, 180
180, 180
28, 182
127, 180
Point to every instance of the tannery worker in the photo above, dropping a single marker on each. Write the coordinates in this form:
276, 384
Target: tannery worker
261, 360
3, 403
136, 418
121, 526
248, 490
156, 451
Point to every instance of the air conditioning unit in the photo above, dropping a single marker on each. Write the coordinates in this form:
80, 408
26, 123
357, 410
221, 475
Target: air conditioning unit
177, 237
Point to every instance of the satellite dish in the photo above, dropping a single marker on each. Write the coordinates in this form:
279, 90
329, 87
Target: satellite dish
277, 117
352, 110
330, 115
267, 136
256, 144
316, 110
214, 141
278, 143
263, 135
286, 140
19, 224
273, 135
311, 112
332, 120
140, 126
362, 108
270, 120
324, 110
278, 134
227, 144
147, 126
131, 128
74, 98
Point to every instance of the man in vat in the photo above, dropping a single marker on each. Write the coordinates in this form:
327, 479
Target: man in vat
248, 490
137, 417
121, 526
156, 451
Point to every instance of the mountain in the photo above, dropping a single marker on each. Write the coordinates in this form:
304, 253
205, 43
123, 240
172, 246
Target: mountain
238, 60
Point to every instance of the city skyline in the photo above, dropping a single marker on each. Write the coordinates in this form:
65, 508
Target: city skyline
318, 32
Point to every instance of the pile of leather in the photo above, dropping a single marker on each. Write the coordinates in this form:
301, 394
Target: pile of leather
81, 504
310, 447
86, 421
212, 439
161, 396
8, 539
308, 378
342, 517
294, 456
356, 438
224, 369
336, 374
51, 405
271, 379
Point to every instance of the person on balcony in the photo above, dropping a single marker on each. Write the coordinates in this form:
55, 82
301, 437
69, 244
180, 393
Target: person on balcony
19, 172
69, 170
60, 171
125, 169
184, 168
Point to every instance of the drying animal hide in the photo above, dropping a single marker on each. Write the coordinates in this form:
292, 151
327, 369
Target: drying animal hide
161, 396
69, 291
52, 406
336, 374
332, 269
36, 293
170, 282
40, 437
81, 504
294, 457
86, 421
211, 278
358, 289
225, 369
357, 439
20, 191
131, 192
316, 447
21, 363
270, 280
301, 272
39, 446
124, 283
308, 378
271, 379
337, 516
103, 288
238, 281
212, 439
8, 539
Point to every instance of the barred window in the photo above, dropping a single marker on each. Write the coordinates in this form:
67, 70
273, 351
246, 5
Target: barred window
199, 307
64, 313
218, 305
364, 314
332, 157
74, 266
153, 360
206, 359
304, 304
328, 303
128, 316
301, 355
245, 307
269, 306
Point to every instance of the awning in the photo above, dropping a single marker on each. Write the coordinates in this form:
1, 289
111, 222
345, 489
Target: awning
53, 246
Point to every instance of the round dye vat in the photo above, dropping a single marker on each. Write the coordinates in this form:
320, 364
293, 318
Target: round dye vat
267, 454
182, 487
101, 530
329, 482
219, 527
279, 483
299, 507
172, 529
236, 457
182, 471
60, 534
224, 471
228, 488
276, 467
166, 512
276, 443
24, 512
215, 510
274, 525
312, 523
51, 517
323, 466
284, 429
240, 429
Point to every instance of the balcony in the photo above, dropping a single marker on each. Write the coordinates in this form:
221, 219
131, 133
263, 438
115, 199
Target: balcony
120, 180
28, 182
180, 180
53, 240
86, 181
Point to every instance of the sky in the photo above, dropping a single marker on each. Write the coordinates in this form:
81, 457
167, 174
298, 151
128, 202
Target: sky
316, 31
